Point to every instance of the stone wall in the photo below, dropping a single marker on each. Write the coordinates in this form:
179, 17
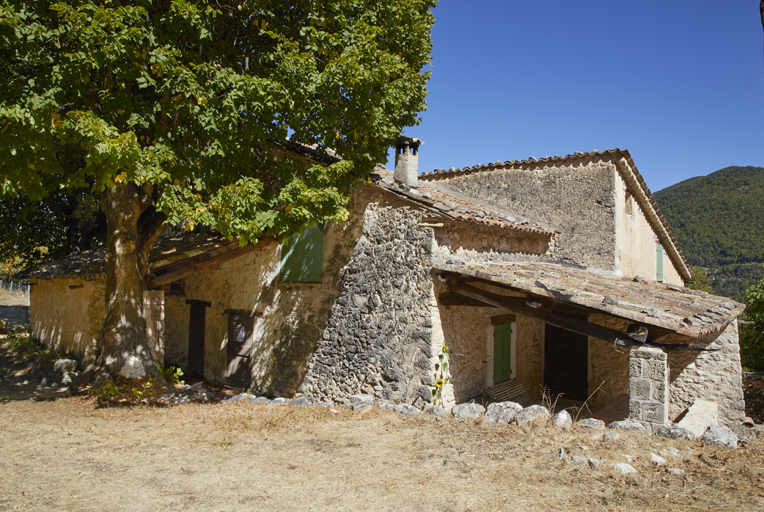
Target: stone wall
578, 201
289, 318
648, 382
378, 338
608, 364
530, 355
67, 314
713, 376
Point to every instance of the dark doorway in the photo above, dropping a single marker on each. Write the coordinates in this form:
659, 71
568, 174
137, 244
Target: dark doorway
566, 362
238, 372
196, 324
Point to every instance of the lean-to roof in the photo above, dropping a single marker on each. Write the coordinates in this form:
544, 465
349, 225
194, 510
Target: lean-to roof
169, 248
677, 309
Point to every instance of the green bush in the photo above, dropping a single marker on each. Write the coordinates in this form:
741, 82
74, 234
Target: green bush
752, 331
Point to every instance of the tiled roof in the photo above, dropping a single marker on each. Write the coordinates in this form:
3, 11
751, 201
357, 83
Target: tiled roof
627, 169
169, 248
677, 309
451, 205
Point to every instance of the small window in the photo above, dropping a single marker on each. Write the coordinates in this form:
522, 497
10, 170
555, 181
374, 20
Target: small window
302, 258
659, 262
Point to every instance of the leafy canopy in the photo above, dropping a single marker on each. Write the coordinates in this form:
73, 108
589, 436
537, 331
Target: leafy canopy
190, 96
752, 334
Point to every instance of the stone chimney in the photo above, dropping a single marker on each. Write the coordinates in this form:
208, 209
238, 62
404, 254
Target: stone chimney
407, 160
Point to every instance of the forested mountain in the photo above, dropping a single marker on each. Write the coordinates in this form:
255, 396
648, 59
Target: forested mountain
719, 222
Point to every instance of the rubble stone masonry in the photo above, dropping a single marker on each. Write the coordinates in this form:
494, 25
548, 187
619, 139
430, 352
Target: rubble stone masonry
378, 339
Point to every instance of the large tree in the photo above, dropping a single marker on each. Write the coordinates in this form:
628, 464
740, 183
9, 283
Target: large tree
179, 107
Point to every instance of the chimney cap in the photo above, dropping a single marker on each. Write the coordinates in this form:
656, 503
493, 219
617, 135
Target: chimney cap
406, 141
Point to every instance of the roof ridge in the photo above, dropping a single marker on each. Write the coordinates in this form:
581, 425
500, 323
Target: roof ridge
509, 164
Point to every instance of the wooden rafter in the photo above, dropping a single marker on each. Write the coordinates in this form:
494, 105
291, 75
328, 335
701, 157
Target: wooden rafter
519, 305
183, 268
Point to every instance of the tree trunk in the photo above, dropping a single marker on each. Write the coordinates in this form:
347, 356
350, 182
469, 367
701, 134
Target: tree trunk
133, 227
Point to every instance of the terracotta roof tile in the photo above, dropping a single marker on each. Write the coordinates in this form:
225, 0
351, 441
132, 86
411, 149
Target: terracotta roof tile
452, 205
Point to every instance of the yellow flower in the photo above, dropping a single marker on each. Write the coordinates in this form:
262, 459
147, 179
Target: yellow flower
445, 349
439, 384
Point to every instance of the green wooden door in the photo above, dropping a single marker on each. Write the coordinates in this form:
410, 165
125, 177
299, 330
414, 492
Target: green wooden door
502, 353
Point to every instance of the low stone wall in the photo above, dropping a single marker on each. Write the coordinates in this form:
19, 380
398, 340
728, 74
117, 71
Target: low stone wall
67, 314
713, 376
378, 338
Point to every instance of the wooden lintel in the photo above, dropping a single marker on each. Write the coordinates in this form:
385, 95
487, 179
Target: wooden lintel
503, 319
185, 268
518, 305
205, 303
243, 312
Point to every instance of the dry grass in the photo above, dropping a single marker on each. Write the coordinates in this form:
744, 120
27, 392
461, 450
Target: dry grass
70, 455
13, 298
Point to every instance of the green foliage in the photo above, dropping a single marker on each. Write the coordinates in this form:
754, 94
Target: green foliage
700, 280
719, 222
110, 389
441, 376
171, 374
752, 332
189, 97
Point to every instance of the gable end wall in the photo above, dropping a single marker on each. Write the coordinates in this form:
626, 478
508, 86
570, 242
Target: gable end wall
578, 201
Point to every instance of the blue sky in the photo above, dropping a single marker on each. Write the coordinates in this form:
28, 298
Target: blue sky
678, 83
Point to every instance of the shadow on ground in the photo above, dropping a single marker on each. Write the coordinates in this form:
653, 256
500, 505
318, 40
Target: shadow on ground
18, 380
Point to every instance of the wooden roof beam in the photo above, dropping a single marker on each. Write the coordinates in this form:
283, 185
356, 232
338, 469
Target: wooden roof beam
519, 305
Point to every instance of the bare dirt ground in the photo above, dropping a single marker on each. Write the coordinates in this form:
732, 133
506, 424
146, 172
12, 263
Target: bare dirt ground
68, 454
59, 452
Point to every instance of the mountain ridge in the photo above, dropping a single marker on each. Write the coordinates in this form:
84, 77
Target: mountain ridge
718, 220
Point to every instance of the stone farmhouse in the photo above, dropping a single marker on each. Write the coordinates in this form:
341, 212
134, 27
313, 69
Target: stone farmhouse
558, 273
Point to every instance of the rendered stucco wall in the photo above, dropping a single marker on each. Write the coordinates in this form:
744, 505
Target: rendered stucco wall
670, 274
636, 241
67, 314
715, 376
578, 201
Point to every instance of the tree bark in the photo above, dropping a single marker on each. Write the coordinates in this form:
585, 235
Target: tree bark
133, 227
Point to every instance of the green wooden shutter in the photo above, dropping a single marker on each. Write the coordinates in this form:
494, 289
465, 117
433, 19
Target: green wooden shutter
302, 258
659, 262
502, 353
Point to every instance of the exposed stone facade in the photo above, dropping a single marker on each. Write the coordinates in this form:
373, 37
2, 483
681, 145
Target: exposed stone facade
608, 365
714, 375
576, 201
378, 339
